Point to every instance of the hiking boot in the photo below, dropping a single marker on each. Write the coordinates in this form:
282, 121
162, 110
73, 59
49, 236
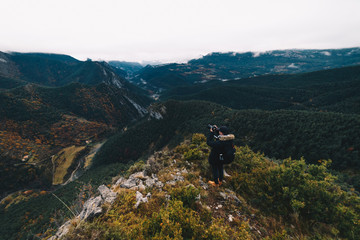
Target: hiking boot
221, 182
212, 183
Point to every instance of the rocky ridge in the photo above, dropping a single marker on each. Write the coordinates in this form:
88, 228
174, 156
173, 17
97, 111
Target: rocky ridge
163, 171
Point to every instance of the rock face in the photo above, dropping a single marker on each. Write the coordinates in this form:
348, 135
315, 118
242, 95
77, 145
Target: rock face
106, 194
91, 208
138, 182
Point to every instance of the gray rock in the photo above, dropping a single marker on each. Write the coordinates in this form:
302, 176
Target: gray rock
106, 194
91, 208
172, 182
223, 195
140, 199
203, 185
198, 197
141, 186
62, 231
140, 175
179, 178
159, 184
150, 182
236, 199
120, 181
167, 197
176, 178
130, 183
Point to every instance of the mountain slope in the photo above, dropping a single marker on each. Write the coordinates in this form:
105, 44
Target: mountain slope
168, 197
38, 122
327, 90
235, 66
280, 134
56, 70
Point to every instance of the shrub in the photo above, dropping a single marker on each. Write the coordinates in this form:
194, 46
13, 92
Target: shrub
194, 154
137, 167
175, 221
295, 188
187, 195
198, 138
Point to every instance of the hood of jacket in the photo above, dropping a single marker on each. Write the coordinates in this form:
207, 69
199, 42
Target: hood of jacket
226, 137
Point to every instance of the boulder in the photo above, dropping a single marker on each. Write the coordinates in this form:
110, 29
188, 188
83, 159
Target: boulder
91, 208
62, 231
130, 183
140, 198
106, 194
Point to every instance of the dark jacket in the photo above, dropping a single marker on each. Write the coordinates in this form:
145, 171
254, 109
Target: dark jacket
218, 146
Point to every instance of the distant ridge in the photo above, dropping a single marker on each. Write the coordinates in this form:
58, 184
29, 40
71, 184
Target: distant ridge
234, 66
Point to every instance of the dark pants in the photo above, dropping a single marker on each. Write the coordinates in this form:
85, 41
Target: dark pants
218, 172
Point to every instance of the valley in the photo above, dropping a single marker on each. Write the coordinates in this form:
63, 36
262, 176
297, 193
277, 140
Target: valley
69, 126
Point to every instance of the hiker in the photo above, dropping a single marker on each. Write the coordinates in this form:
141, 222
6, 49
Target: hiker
219, 140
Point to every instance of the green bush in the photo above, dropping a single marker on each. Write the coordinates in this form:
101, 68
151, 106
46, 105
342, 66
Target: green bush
187, 195
194, 154
294, 188
198, 138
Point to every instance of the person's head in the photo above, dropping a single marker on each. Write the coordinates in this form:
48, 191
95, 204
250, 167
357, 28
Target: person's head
223, 130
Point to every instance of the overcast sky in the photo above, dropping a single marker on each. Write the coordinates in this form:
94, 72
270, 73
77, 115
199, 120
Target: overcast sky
175, 30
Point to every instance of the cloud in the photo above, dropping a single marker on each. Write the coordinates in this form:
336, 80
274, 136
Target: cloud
161, 29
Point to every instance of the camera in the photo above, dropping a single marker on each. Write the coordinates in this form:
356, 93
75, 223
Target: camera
214, 128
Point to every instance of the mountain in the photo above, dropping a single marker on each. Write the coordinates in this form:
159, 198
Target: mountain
327, 90
54, 113
235, 66
55, 70
128, 67
279, 134
68, 127
38, 123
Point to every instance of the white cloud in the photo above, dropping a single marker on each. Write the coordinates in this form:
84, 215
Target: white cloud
177, 29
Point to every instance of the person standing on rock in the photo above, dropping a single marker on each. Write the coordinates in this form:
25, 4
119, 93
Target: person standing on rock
219, 140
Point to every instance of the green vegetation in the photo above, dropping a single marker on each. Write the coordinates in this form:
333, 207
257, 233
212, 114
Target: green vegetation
234, 66
333, 90
279, 134
303, 194
279, 200
312, 116
37, 122
41, 213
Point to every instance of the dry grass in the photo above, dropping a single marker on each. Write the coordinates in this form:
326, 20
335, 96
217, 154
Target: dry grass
62, 161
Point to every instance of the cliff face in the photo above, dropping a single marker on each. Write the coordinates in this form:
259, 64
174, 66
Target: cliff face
168, 197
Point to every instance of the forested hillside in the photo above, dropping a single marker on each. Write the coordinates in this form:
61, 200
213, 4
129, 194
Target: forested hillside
236, 66
279, 134
37, 122
56, 70
328, 90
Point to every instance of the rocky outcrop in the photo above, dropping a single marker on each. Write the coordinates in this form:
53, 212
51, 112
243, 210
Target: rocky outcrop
92, 207
139, 181
140, 198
